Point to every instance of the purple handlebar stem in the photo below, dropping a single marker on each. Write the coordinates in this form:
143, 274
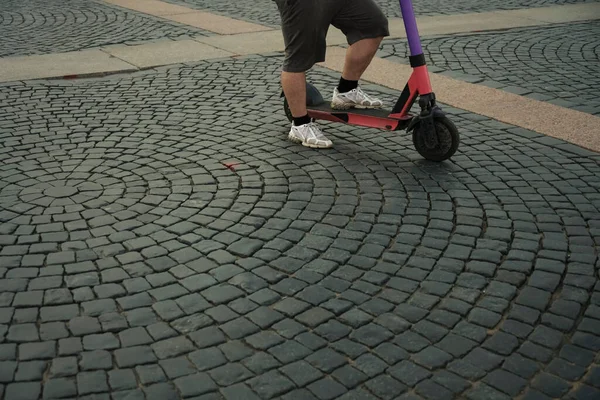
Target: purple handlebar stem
410, 24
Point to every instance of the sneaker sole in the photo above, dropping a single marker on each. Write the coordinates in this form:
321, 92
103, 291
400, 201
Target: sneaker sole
313, 146
349, 106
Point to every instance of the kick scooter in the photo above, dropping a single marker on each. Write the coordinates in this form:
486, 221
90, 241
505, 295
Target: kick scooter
434, 136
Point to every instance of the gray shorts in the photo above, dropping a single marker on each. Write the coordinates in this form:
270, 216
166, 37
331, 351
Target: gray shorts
305, 24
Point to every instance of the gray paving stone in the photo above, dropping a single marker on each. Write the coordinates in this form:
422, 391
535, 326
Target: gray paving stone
432, 358
92, 382
193, 385
270, 384
551, 385
149, 374
23, 390
132, 356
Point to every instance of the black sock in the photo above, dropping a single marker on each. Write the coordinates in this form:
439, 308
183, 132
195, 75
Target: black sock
301, 120
346, 86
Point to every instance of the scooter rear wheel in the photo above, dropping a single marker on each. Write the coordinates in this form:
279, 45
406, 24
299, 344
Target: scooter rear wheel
447, 137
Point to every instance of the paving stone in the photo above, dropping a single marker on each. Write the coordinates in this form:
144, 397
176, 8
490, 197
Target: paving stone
301, 373
291, 306
520, 366
391, 353
432, 358
429, 330
151, 373
97, 359
23, 390
122, 379
409, 373
261, 362
37, 351
238, 391
326, 360
450, 381
177, 367
371, 335
92, 382
132, 356
551, 385
349, 377
431, 390
485, 392
576, 355
505, 382
484, 317
161, 390
385, 387
59, 388
546, 337
326, 389
196, 384
172, 347
270, 384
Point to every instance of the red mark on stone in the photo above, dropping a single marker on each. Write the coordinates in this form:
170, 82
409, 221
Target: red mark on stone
230, 166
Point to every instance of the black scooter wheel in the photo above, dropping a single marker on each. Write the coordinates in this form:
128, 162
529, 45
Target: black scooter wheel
447, 136
286, 109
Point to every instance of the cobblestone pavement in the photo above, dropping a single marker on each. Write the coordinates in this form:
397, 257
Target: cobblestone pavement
51, 26
265, 11
161, 239
559, 64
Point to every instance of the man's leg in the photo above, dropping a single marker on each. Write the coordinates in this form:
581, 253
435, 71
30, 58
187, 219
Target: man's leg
303, 130
294, 89
365, 26
359, 56
304, 46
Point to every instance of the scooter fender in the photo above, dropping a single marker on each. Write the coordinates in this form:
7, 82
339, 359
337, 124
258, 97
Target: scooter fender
313, 96
435, 112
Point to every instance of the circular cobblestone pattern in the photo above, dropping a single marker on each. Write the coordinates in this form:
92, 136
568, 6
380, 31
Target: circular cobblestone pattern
161, 239
265, 11
558, 64
53, 26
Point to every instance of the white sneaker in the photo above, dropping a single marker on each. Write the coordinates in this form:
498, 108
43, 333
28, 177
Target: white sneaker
309, 135
355, 98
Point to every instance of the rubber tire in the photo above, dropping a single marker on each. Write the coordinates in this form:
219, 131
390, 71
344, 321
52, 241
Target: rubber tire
286, 109
446, 133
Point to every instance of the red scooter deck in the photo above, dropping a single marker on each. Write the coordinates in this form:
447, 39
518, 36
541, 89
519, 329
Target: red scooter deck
371, 118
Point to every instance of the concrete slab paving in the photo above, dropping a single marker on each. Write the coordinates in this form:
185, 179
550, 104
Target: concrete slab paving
560, 13
152, 7
166, 52
217, 24
248, 43
81, 63
204, 20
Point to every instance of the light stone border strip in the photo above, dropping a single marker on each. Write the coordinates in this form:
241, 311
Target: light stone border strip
165, 52
65, 65
192, 17
107, 60
569, 125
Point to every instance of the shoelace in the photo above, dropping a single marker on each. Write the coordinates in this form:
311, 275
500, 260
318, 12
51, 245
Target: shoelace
314, 129
364, 95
